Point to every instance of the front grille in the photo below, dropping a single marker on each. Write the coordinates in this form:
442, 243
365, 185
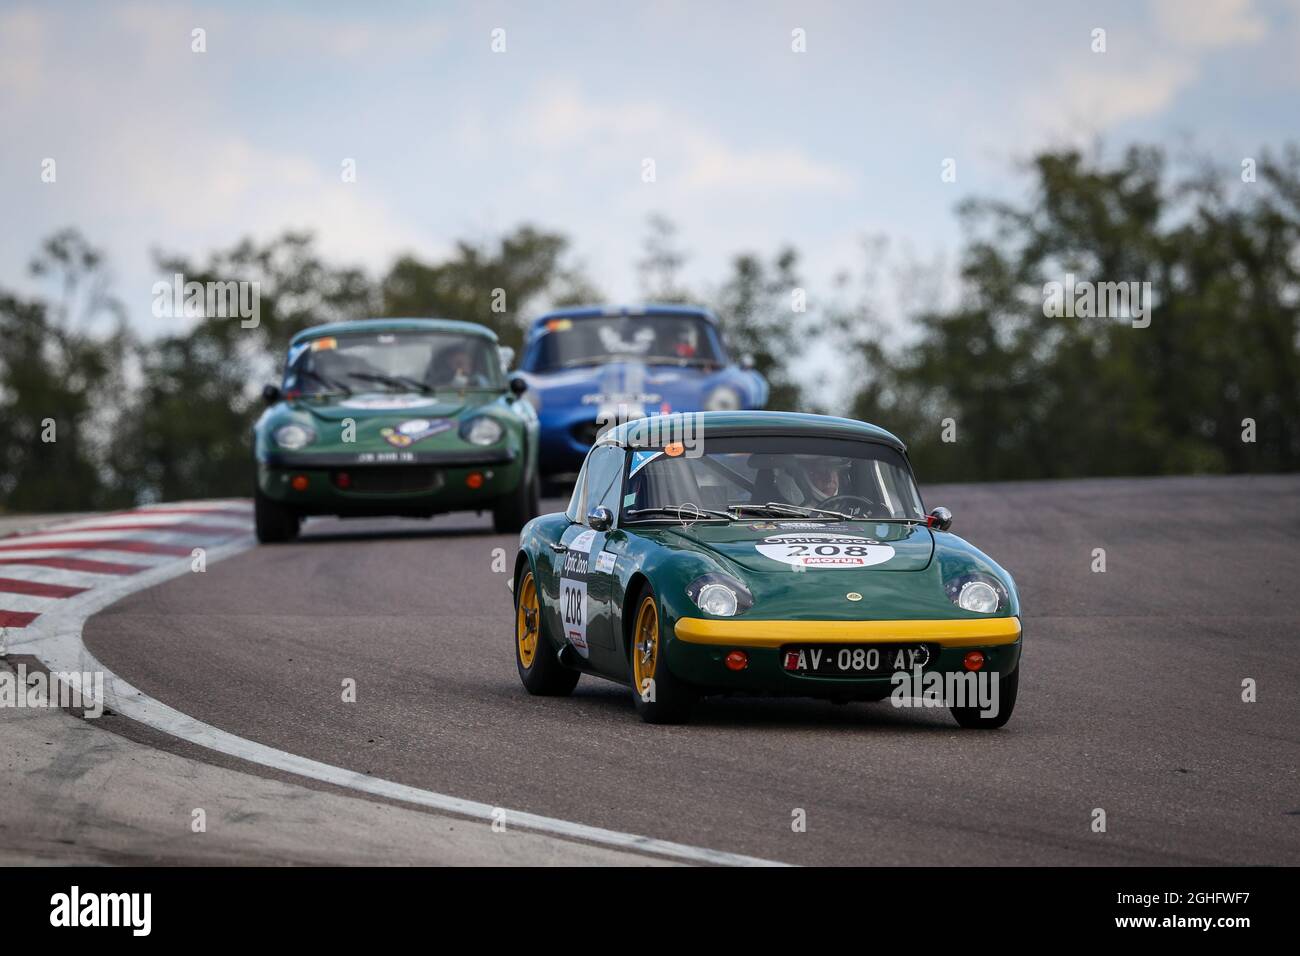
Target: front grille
388, 480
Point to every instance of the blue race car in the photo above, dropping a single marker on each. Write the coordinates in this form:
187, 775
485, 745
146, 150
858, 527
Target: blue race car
593, 367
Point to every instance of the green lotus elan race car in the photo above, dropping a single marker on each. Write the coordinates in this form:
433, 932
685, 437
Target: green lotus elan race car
409, 417
762, 553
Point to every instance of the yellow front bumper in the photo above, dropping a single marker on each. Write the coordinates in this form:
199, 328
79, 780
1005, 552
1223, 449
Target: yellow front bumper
747, 633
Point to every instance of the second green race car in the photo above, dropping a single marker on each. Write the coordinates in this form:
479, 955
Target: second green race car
762, 553
410, 417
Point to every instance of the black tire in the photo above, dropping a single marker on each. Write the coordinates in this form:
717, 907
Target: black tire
972, 719
274, 522
517, 508
543, 674
659, 696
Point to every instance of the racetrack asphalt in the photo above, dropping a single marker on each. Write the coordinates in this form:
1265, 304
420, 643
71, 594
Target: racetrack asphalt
1130, 700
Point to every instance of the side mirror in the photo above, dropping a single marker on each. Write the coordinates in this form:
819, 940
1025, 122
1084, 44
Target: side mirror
518, 385
271, 394
940, 518
600, 519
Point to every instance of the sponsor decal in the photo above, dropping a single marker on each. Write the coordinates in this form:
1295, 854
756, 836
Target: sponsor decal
824, 552
417, 429
385, 402
640, 459
573, 591
605, 562
804, 525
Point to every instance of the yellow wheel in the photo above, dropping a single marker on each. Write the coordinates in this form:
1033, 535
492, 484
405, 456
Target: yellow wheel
645, 645
539, 668
527, 621
659, 696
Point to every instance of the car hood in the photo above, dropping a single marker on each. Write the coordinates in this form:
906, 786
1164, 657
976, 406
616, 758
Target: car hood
846, 547
388, 405
633, 384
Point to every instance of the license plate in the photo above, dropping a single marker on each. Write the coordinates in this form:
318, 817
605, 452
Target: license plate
853, 660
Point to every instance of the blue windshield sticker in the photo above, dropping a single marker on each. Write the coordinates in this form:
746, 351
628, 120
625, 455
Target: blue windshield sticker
642, 458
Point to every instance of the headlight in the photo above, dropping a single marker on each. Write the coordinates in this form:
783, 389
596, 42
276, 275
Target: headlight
979, 596
293, 437
720, 595
722, 399
481, 431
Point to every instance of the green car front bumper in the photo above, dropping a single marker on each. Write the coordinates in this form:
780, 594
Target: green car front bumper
698, 652
413, 485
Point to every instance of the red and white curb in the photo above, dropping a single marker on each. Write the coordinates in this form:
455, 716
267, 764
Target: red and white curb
52, 580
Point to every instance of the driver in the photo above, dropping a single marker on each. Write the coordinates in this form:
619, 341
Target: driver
823, 477
455, 367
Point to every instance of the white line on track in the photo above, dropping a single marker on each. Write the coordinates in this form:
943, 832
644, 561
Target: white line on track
55, 638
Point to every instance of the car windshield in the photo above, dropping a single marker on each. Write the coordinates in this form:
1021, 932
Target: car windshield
392, 361
663, 339
778, 477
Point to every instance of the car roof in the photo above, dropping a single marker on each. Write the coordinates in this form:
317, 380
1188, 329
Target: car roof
395, 325
612, 311
635, 433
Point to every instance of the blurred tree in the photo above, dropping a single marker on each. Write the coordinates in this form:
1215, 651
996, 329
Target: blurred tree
527, 266
762, 317
187, 430
1035, 396
60, 370
661, 262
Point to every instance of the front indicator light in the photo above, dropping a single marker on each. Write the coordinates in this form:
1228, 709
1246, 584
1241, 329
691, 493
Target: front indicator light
474, 480
737, 661
974, 660
299, 483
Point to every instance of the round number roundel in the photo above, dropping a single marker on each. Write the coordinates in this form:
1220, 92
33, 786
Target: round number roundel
824, 551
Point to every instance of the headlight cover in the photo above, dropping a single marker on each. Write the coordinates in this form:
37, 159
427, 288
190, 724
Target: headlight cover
724, 398
720, 595
481, 430
977, 592
294, 436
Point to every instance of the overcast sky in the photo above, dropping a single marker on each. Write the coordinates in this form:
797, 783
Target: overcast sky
754, 144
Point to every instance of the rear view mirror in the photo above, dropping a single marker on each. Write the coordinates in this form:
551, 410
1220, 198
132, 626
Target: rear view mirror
271, 394
518, 385
600, 519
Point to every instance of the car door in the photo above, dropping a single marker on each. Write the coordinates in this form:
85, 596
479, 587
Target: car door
583, 607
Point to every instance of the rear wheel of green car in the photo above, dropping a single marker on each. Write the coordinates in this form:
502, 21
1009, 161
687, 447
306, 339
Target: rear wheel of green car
273, 521
539, 669
659, 696
972, 718
517, 508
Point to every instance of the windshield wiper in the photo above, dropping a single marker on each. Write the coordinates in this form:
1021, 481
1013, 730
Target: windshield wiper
327, 382
797, 511
396, 381
682, 512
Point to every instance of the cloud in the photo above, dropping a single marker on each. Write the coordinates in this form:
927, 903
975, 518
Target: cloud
1209, 24
699, 159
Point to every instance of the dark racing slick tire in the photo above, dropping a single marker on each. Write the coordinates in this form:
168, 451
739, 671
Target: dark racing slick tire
659, 696
517, 508
273, 521
972, 719
539, 669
